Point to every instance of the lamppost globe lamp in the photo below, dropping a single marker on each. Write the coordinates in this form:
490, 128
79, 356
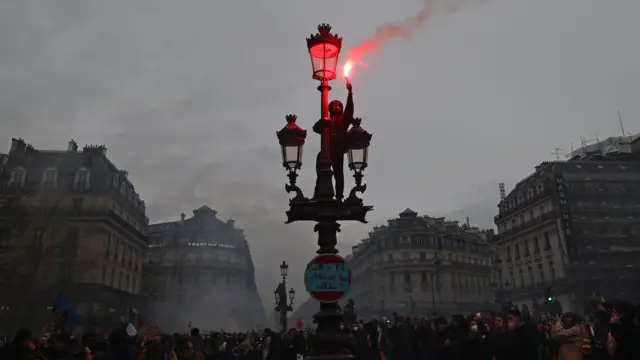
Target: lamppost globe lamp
358, 141
324, 49
277, 297
292, 294
291, 139
284, 269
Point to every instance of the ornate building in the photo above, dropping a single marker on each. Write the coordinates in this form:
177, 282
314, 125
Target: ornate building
200, 270
417, 265
569, 231
71, 223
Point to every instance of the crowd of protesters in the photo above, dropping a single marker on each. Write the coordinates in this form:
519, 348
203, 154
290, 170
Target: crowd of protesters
611, 332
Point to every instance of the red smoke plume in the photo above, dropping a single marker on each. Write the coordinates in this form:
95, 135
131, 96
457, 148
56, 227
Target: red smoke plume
399, 30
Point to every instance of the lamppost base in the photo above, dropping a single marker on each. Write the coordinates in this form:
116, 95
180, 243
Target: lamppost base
329, 342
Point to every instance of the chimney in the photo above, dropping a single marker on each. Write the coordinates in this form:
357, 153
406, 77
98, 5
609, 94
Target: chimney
72, 147
468, 225
17, 145
182, 217
231, 222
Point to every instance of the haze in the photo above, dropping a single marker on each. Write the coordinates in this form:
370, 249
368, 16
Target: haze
187, 95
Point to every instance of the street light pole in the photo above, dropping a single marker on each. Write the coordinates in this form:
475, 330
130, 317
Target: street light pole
284, 305
327, 206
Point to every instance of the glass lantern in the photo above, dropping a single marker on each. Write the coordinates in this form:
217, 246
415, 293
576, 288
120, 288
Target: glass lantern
324, 49
291, 139
358, 141
284, 269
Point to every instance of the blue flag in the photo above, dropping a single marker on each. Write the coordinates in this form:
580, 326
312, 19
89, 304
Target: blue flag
65, 313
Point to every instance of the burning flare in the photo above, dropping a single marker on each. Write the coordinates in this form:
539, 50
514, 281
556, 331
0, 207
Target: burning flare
348, 66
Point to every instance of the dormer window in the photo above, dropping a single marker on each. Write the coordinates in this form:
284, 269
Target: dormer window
18, 177
115, 181
50, 178
82, 179
130, 195
123, 188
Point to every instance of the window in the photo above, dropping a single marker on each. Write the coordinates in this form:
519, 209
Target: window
526, 248
50, 178
536, 245
115, 180
547, 241
423, 255
423, 277
517, 251
508, 253
407, 277
82, 179
18, 177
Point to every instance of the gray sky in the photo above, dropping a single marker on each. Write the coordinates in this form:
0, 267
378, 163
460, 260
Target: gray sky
187, 95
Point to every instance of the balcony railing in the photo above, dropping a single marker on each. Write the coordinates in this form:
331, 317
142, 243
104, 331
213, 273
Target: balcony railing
526, 226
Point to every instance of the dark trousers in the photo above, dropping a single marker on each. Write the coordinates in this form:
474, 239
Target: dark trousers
337, 164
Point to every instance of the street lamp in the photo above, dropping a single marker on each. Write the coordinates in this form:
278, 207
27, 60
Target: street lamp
284, 269
292, 295
276, 294
327, 207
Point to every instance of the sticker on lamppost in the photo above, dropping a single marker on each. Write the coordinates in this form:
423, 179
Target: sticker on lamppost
327, 278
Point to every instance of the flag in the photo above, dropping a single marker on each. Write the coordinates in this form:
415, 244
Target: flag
299, 324
64, 314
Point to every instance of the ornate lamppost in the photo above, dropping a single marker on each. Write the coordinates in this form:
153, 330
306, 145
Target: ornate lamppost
282, 305
327, 206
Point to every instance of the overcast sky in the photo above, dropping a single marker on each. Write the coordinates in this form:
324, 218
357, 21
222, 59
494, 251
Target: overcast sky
187, 95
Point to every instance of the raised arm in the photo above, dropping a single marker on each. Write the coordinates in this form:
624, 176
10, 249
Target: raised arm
348, 108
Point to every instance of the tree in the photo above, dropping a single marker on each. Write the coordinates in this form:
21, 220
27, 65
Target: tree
39, 245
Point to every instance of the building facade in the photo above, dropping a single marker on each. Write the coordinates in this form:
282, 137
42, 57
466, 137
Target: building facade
71, 223
569, 232
199, 270
418, 265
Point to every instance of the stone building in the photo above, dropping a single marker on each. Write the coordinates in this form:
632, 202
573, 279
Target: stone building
417, 265
569, 232
200, 270
71, 223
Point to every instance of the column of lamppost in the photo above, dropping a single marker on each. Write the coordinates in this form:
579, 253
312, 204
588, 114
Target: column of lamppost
284, 307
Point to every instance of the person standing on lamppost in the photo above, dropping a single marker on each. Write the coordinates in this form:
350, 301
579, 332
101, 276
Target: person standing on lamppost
339, 124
